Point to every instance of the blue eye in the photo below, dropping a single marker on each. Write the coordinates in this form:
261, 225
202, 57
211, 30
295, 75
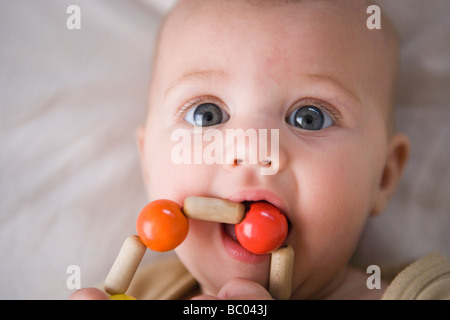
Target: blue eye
310, 118
206, 115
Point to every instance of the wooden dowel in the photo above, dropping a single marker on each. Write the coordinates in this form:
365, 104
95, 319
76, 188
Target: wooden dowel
125, 266
212, 209
281, 270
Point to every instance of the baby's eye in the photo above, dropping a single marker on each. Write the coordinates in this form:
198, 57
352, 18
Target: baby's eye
206, 115
310, 118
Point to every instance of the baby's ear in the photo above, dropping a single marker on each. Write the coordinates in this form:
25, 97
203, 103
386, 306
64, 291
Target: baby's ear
397, 158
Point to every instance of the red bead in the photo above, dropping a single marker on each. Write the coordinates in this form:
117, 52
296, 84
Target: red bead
263, 229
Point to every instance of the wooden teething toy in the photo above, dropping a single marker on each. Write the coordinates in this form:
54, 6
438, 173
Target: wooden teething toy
162, 225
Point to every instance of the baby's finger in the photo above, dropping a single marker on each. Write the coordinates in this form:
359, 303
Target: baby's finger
239, 288
89, 294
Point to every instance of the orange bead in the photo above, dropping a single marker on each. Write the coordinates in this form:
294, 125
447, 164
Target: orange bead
161, 225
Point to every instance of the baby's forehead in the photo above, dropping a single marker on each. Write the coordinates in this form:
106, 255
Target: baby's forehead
202, 13
207, 22
221, 18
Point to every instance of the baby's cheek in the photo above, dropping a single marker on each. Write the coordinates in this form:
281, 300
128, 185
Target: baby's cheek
335, 204
174, 181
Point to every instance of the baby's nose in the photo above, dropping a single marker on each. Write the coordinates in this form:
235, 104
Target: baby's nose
259, 148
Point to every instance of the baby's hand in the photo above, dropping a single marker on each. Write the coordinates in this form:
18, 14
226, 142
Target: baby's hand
89, 294
239, 289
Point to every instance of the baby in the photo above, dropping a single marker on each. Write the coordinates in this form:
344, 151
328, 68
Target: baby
314, 72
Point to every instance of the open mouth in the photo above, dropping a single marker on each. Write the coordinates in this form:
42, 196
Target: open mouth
230, 228
262, 231
248, 204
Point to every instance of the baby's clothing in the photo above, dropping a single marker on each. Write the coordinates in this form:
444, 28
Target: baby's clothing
426, 279
165, 280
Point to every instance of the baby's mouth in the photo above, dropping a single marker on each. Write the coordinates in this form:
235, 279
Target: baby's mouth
230, 229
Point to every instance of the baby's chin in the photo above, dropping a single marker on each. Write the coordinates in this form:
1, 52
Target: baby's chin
212, 280
213, 257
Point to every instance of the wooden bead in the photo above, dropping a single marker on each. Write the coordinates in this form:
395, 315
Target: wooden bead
125, 266
281, 270
212, 209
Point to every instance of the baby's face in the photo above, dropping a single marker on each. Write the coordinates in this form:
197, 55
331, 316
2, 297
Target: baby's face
313, 73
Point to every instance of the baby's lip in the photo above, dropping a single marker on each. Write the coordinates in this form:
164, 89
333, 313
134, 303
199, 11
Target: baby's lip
252, 195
